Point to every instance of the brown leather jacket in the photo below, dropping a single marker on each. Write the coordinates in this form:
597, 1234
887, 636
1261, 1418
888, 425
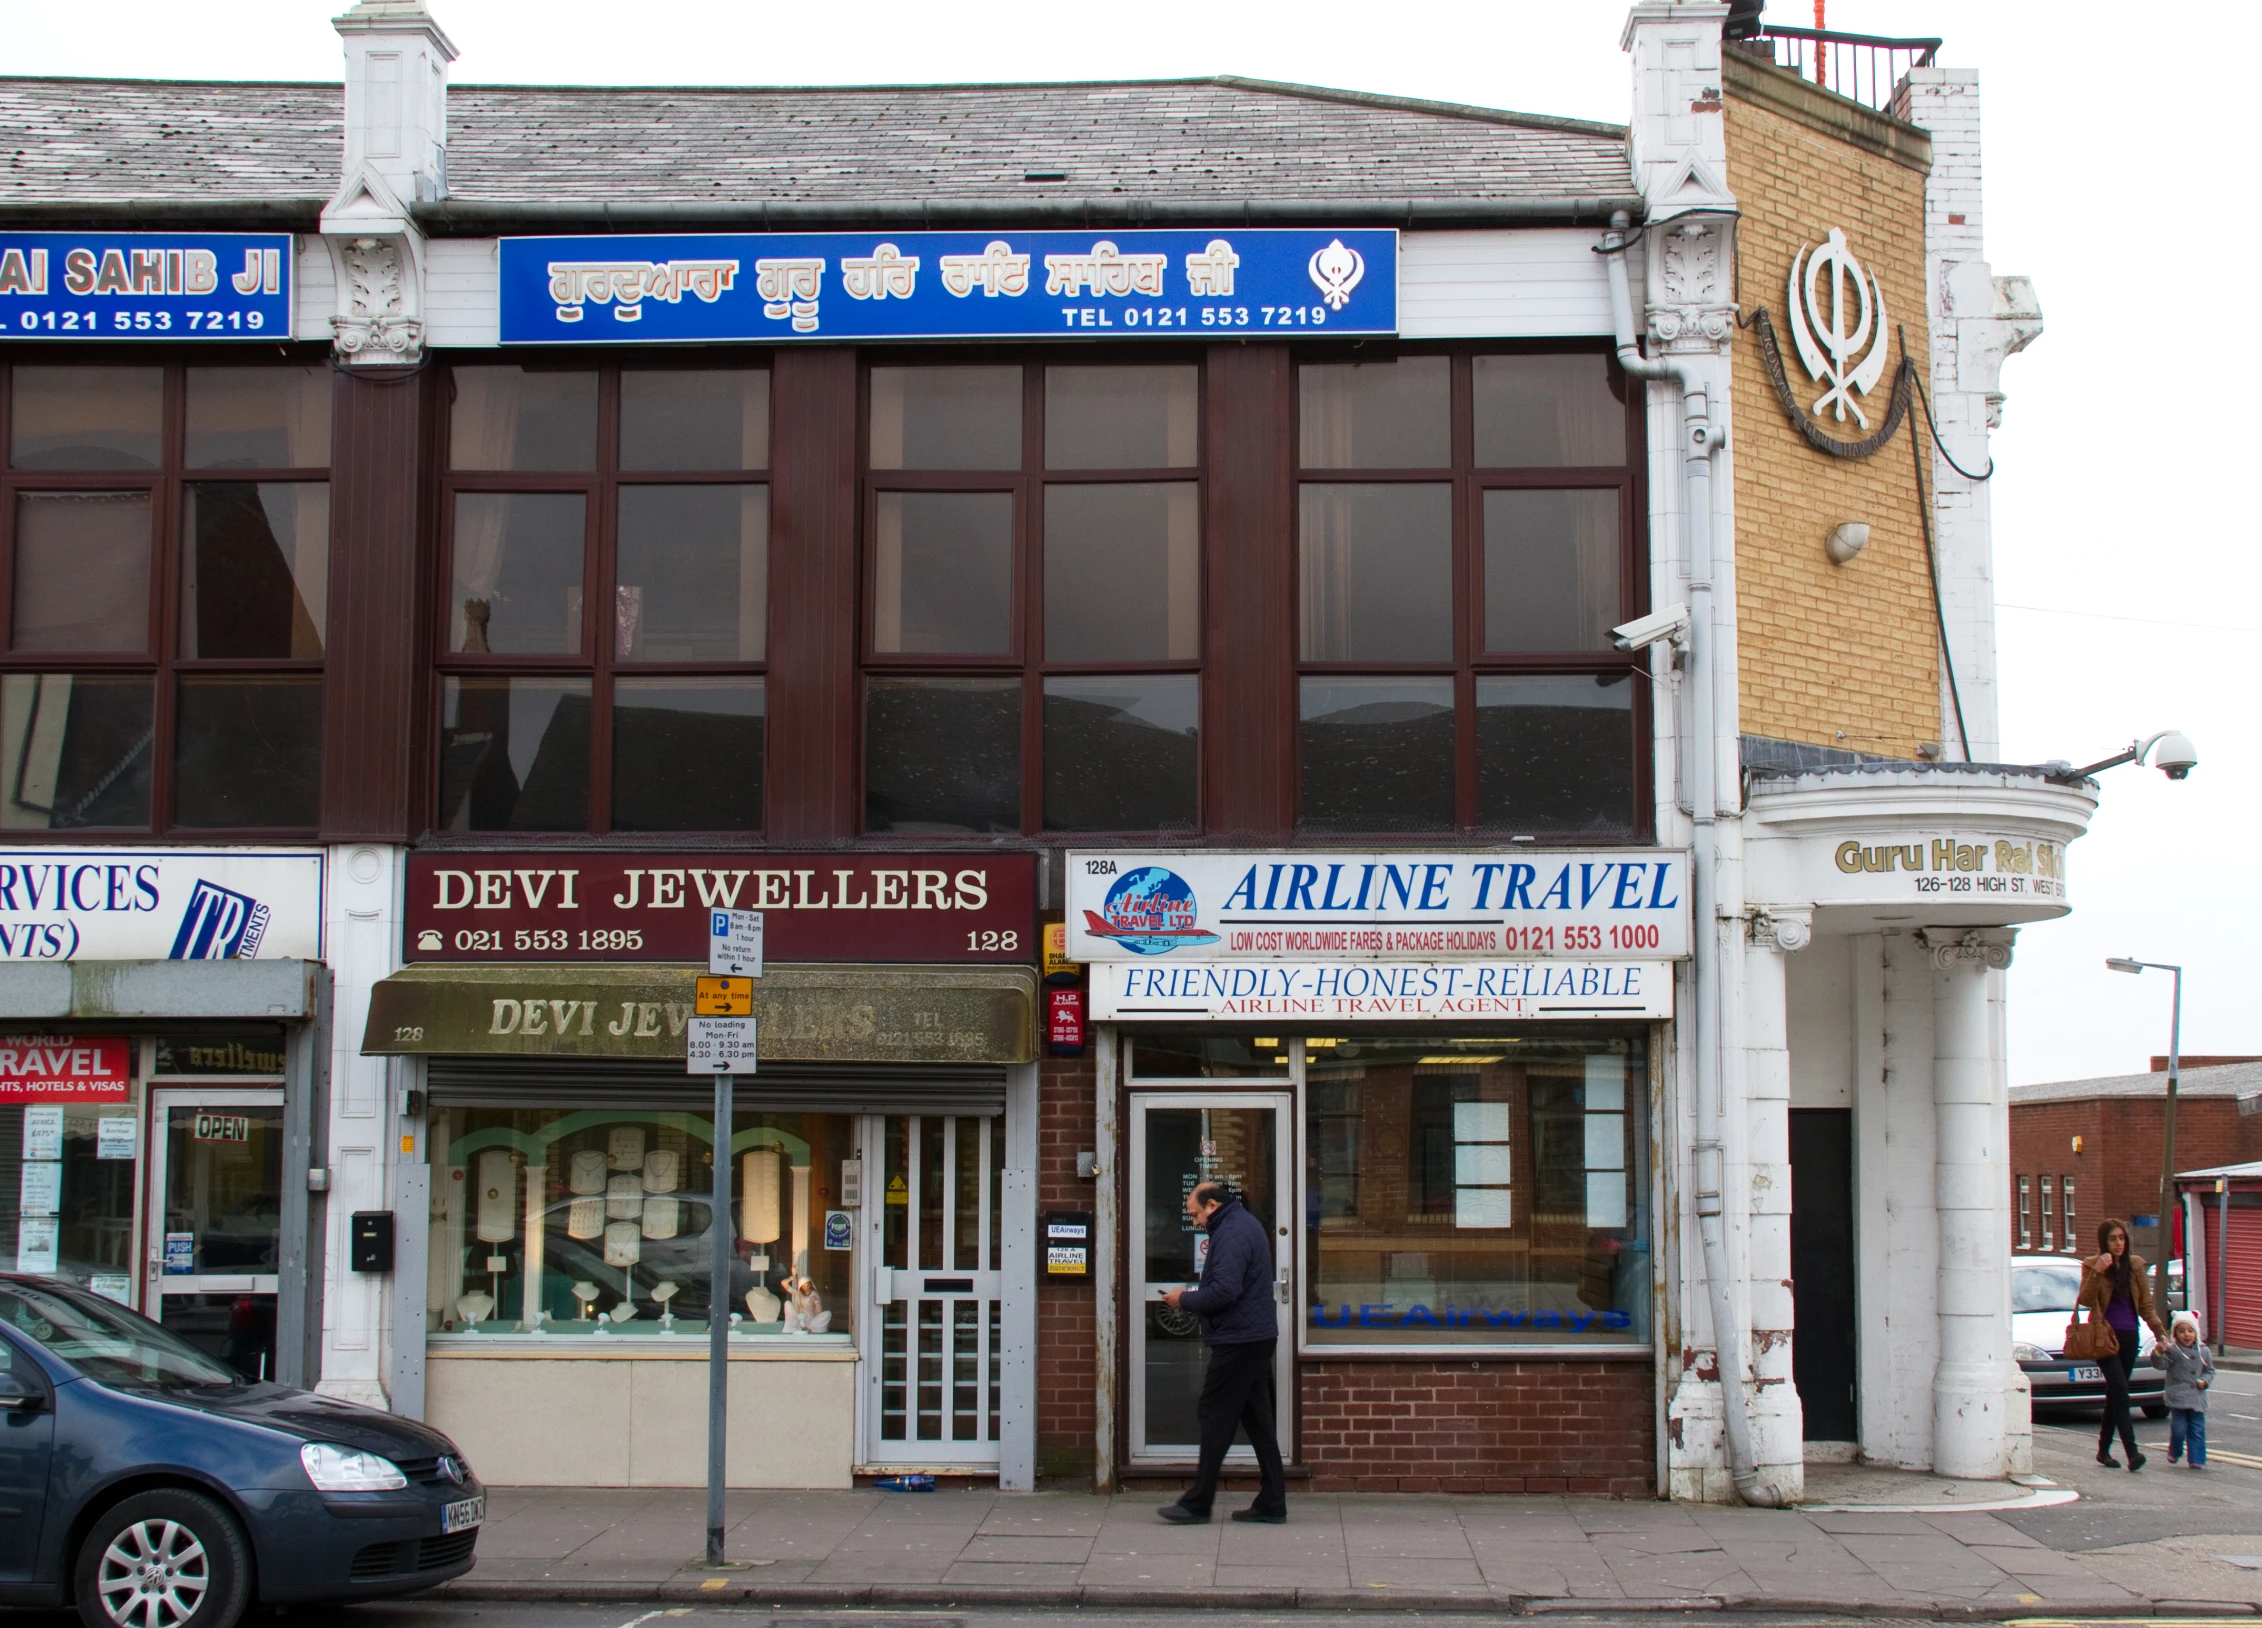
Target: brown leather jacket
2097, 1292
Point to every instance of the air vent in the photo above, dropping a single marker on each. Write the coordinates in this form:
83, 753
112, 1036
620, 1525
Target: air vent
1045, 175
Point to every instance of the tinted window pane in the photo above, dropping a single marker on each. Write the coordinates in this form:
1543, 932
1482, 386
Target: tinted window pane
255, 568
1556, 753
687, 754
1121, 754
1120, 417
946, 418
1550, 570
87, 417
514, 754
1203, 1055
82, 571
693, 573
1377, 754
1548, 411
512, 418
1377, 573
74, 751
1376, 415
705, 418
1122, 573
517, 573
943, 573
248, 752
259, 417
942, 754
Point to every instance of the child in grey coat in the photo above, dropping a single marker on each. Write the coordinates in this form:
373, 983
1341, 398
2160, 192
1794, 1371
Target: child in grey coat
2183, 1356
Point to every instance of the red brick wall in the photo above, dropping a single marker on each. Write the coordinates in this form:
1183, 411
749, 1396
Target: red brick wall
2117, 1171
1066, 1419
1584, 1428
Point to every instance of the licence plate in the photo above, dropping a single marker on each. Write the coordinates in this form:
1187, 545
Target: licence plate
2080, 1376
463, 1516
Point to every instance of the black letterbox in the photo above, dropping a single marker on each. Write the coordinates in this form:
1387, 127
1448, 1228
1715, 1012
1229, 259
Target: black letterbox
371, 1248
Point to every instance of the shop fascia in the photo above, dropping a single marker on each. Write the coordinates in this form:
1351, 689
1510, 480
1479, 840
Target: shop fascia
1335, 936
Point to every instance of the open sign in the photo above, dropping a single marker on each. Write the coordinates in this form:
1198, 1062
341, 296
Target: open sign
221, 1128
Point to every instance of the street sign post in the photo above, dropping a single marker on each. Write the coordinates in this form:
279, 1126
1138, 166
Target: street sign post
718, 1045
734, 943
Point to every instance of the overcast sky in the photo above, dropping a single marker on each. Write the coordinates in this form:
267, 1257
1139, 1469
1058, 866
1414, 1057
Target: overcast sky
2128, 579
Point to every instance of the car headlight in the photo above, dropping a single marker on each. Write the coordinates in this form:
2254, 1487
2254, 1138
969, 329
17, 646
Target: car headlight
2023, 1352
348, 1469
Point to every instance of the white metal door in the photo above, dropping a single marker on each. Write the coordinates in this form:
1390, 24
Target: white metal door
215, 1220
1179, 1138
931, 1329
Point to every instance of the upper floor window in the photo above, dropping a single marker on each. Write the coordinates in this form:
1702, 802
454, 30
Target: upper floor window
167, 539
607, 611
1032, 639
1465, 543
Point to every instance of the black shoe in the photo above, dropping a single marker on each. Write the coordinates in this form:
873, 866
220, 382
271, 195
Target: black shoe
1180, 1515
1263, 1517
2106, 1458
2135, 1461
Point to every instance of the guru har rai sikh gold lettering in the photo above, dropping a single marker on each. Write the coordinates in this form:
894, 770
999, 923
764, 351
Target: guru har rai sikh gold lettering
2041, 863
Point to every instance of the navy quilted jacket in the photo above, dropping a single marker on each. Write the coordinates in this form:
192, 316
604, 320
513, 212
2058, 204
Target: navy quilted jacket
1234, 1299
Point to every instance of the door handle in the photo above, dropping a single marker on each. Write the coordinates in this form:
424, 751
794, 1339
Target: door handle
1280, 1286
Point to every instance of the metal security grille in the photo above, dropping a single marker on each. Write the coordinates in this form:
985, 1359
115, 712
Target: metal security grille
937, 1287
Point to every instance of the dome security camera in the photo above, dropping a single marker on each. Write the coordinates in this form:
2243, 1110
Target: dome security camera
2174, 755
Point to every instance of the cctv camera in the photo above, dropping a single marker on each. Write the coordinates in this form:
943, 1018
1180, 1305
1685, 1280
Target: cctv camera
1671, 623
2174, 755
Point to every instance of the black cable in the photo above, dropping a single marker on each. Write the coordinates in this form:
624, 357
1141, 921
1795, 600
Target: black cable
1943, 446
1939, 608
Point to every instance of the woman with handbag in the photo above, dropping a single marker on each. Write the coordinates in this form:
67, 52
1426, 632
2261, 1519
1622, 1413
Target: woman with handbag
2114, 1293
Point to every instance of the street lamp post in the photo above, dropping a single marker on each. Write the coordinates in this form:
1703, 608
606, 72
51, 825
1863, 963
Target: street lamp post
2168, 1121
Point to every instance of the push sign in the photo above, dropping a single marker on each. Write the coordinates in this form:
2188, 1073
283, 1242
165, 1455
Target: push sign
734, 943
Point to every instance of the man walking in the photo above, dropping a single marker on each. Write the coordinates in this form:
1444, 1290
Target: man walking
1242, 1328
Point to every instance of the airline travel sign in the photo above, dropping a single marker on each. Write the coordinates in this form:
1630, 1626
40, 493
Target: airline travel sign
1576, 903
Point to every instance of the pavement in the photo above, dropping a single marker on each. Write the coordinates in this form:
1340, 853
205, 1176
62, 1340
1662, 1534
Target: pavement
2074, 1540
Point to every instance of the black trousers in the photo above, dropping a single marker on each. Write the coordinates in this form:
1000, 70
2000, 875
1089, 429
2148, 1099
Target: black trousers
1237, 1394
2118, 1367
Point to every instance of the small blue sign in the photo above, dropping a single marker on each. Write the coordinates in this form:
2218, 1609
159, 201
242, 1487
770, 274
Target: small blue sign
138, 285
947, 285
180, 1253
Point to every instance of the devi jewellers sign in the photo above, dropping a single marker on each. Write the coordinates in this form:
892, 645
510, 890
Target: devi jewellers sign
1378, 906
135, 285
176, 904
946, 285
660, 906
1355, 991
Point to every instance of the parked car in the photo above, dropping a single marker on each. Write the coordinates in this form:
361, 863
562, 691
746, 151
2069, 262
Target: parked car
151, 1486
2043, 1289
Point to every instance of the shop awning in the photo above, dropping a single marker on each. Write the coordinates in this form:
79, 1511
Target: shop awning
845, 1013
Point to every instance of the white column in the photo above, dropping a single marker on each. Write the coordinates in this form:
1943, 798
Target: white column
1970, 1436
1778, 1420
1019, 1254
1898, 1243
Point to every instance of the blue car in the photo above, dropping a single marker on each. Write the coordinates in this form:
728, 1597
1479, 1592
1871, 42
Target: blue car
152, 1487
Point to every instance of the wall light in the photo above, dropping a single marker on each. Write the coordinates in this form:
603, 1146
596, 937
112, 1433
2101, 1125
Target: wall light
1846, 540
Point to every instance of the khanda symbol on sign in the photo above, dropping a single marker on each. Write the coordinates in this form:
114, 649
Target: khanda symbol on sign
1831, 328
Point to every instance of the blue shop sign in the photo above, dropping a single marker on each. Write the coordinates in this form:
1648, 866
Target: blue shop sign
137, 285
946, 285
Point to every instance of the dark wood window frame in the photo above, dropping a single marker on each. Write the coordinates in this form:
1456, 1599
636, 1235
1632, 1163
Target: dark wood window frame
1471, 661
599, 486
1027, 660
160, 659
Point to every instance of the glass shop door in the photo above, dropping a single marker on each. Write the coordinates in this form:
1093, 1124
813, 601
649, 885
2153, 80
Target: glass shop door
215, 1220
931, 1333
1178, 1139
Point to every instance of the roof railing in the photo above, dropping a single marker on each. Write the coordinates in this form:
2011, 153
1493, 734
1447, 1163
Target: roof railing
1866, 68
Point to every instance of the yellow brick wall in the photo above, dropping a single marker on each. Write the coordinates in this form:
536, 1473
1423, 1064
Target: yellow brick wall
1844, 656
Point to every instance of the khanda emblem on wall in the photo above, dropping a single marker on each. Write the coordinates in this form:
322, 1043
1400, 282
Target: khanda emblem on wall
1835, 310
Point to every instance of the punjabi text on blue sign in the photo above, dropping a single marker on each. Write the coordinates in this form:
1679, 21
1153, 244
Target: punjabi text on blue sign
946, 285
136, 285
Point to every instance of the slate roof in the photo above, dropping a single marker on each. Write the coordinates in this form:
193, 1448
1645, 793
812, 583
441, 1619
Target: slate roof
1135, 149
2224, 1080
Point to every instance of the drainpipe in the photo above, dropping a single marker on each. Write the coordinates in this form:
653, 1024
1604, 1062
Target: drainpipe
1700, 439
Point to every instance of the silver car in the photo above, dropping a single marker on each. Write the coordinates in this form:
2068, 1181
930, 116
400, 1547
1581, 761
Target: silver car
2043, 1289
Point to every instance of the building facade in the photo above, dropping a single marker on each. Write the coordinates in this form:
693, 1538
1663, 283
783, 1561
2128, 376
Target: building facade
1460, 624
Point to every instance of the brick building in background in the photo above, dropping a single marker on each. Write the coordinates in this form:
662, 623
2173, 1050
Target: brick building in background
2099, 1141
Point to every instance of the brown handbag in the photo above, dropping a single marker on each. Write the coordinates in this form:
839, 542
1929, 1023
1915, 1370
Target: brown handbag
2091, 1341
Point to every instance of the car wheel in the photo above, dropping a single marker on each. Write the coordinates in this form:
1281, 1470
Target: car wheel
2155, 1410
171, 1559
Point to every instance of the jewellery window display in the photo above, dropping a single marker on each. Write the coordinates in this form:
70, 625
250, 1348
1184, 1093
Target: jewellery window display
596, 1223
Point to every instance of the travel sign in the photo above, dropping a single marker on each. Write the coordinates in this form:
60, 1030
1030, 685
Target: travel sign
1578, 903
756, 286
